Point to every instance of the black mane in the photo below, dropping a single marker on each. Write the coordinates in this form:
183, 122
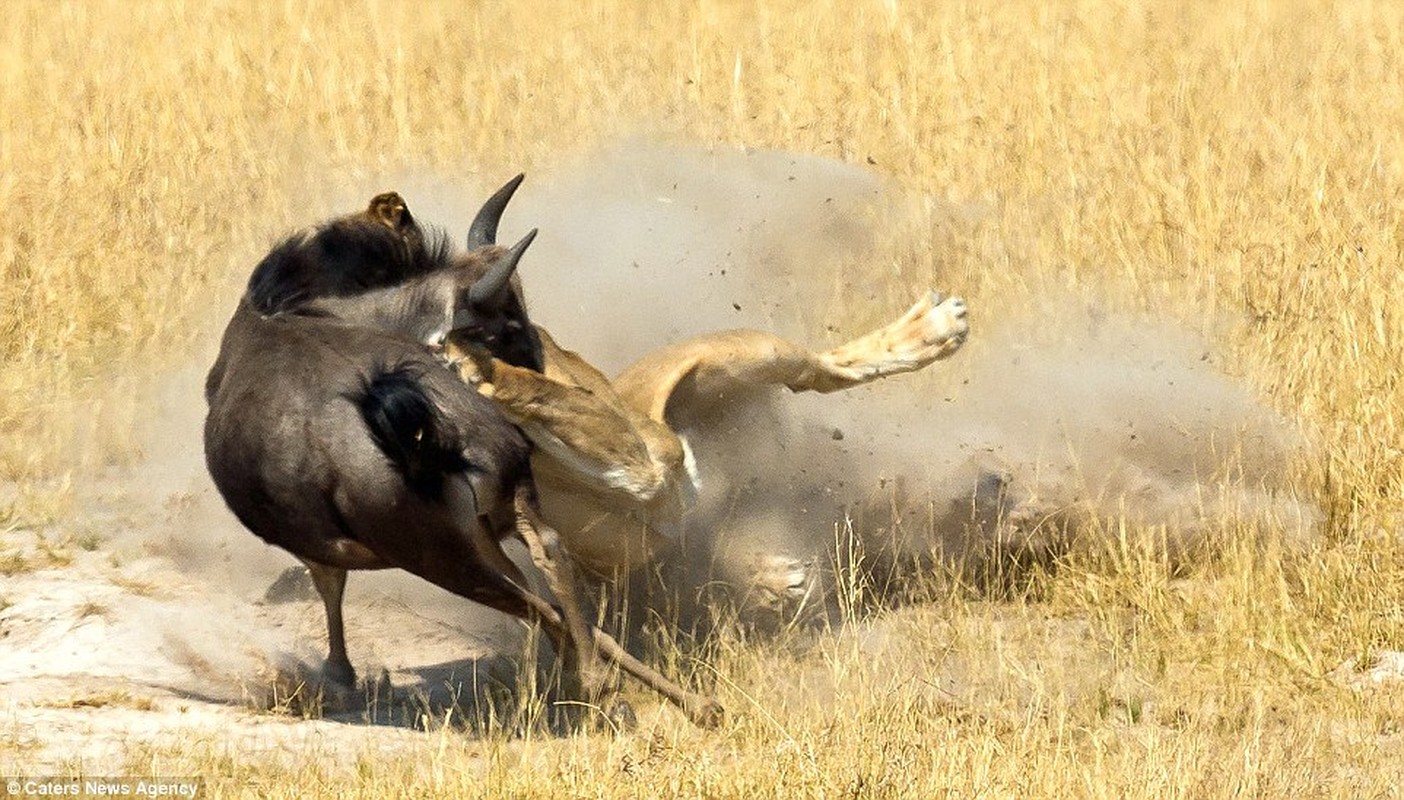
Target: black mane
408, 427
344, 257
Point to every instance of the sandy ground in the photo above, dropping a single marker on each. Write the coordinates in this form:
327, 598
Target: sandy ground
162, 632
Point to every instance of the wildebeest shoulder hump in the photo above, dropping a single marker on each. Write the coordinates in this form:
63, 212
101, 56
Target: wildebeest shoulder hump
346, 256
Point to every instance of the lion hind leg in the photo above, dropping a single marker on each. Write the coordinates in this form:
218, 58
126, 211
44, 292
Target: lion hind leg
932, 329
712, 365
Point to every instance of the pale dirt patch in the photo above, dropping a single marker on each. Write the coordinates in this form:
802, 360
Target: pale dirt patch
158, 637
1384, 670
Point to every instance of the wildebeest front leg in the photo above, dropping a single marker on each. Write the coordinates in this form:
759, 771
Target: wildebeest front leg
331, 585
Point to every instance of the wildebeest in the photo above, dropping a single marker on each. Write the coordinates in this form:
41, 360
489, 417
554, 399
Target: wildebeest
336, 432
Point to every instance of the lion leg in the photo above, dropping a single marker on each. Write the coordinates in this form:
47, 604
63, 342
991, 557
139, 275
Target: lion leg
586, 432
541, 541
716, 364
931, 329
544, 545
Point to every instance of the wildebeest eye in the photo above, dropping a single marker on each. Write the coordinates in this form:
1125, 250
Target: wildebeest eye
514, 326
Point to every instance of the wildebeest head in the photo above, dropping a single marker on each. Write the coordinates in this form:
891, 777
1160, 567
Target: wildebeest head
491, 313
379, 268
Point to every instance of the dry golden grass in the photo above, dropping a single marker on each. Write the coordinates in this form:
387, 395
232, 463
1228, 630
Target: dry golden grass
1201, 161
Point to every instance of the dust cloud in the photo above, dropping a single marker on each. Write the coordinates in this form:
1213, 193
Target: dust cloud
1061, 420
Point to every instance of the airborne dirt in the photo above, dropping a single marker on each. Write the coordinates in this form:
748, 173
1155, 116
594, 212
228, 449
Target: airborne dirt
1057, 408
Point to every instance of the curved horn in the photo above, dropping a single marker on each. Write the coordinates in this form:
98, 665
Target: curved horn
495, 281
483, 231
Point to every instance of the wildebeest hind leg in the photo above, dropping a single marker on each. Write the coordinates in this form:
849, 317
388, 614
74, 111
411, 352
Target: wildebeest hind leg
331, 585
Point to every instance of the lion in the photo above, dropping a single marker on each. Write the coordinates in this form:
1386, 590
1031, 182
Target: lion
613, 458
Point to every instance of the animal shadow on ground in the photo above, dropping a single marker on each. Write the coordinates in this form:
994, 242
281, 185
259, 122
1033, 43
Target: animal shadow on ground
485, 694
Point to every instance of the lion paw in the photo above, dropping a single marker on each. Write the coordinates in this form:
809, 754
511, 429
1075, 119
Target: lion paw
778, 584
944, 327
